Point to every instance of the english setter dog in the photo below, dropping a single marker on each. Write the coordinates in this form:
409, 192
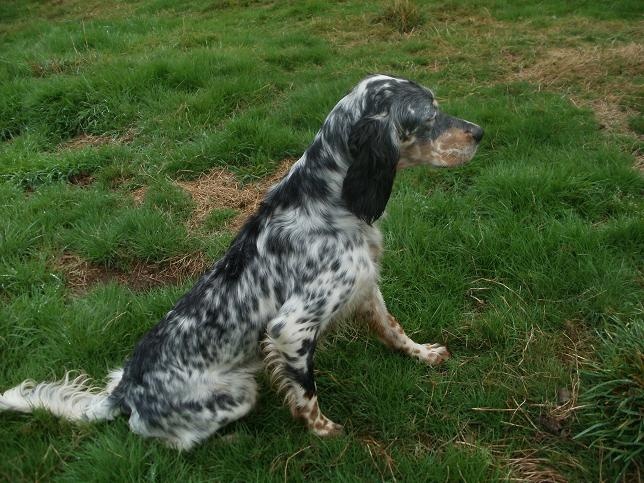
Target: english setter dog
307, 257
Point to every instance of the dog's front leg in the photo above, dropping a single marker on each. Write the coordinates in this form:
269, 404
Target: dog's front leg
390, 333
290, 345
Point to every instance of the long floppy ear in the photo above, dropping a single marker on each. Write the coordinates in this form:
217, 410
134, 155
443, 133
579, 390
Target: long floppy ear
370, 177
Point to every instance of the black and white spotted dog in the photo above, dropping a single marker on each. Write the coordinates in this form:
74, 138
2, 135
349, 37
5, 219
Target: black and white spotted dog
307, 257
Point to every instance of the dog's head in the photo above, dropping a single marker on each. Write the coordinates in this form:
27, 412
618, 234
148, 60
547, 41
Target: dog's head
399, 125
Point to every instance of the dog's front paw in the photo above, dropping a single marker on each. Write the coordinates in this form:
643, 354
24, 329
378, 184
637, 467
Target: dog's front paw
326, 428
433, 354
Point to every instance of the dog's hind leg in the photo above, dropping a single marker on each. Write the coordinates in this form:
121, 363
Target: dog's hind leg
390, 333
188, 415
289, 348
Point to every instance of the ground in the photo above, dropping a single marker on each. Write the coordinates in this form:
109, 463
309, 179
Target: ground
135, 137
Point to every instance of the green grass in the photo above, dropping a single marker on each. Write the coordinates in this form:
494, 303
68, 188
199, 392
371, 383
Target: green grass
526, 262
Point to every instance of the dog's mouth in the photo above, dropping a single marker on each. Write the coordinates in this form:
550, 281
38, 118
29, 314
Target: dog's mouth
454, 147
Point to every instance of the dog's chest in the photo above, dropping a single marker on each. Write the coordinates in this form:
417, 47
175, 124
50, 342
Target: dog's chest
363, 266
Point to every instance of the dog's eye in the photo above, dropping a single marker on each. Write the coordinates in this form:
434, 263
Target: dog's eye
431, 118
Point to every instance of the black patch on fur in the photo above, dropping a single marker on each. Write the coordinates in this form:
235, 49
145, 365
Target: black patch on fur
305, 377
243, 249
276, 329
145, 355
308, 345
305, 183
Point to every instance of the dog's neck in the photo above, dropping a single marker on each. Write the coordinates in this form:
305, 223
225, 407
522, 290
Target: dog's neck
317, 181
327, 159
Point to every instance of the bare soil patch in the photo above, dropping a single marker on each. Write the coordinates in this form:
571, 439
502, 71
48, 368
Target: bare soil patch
80, 275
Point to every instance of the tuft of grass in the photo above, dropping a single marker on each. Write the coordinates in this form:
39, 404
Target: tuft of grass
169, 198
636, 123
143, 234
402, 15
217, 219
613, 402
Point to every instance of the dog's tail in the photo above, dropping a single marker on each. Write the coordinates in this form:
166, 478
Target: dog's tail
72, 399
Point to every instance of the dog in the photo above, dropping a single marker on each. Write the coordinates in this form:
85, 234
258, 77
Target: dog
307, 257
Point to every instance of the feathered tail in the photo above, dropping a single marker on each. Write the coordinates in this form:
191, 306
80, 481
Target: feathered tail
72, 399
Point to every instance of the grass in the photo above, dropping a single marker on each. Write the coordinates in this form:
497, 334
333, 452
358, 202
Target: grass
526, 262
616, 395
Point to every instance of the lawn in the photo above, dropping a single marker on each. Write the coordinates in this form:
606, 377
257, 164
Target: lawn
135, 136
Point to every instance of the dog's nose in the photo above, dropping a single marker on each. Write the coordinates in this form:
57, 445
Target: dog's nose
476, 132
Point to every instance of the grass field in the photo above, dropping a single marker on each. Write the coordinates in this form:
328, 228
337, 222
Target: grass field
136, 135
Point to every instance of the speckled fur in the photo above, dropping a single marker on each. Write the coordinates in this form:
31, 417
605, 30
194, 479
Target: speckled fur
307, 257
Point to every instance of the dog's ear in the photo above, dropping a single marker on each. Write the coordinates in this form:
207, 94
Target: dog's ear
370, 177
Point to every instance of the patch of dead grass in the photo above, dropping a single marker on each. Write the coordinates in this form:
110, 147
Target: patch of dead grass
80, 275
56, 66
639, 161
220, 189
599, 78
83, 9
92, 140
526, 466
381, 458
401, 15
588, 65
81, 179
217, 189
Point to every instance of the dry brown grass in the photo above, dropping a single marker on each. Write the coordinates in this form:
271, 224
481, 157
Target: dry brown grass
220, 189
217, 189
526, 466
554, 415
600, 78
380, 454
80, 275
401, 15
56, 66
639, 161
83, 9
81, 179
92, 140
587, 66
523, 465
